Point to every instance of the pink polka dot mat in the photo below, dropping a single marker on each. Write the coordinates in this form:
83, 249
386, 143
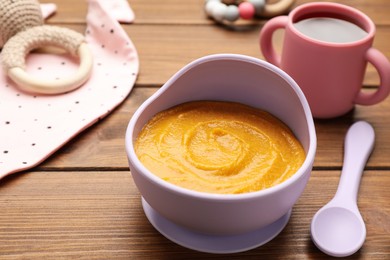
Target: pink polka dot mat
33, 127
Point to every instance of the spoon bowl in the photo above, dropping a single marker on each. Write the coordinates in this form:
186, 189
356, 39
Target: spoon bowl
339, 231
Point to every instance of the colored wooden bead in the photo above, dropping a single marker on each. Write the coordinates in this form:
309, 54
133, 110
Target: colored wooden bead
218, 11
232, 14
259, 6
247, 10
209, 6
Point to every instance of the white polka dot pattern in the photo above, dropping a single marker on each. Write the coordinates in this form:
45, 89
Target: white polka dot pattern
34, 127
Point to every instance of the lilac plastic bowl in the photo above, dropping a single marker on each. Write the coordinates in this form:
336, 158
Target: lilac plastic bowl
226, 77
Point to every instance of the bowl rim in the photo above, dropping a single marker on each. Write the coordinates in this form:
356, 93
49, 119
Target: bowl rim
307, 164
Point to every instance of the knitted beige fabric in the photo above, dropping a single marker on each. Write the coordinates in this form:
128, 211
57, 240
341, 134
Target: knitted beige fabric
16, 49
16, 16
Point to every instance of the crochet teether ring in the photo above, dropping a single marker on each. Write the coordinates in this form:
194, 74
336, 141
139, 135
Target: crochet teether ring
17, 48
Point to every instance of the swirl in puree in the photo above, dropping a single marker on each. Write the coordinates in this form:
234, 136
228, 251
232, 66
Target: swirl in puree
219, 147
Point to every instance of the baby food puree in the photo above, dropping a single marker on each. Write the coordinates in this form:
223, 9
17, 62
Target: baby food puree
219, 147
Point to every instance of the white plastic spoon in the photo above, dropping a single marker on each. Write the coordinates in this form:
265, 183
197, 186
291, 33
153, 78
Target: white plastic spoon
338, 229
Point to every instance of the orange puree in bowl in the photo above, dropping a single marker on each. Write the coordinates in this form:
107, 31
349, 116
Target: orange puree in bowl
219, 147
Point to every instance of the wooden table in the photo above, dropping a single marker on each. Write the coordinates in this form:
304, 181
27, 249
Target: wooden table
82, 203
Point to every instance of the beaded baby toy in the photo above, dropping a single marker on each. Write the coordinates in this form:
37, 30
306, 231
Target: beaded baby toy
21, 31
232, 10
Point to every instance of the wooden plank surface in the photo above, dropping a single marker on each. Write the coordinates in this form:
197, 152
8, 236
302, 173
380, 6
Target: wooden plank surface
97, 215
82, 203
191, 12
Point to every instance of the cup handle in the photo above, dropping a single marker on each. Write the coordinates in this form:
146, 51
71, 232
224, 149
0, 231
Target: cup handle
265, 37
382, 65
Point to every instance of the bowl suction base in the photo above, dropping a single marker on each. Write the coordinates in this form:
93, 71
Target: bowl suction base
217, 244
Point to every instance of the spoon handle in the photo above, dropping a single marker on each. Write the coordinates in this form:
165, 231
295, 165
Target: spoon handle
358, 145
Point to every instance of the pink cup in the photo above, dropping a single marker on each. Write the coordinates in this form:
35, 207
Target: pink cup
330, 74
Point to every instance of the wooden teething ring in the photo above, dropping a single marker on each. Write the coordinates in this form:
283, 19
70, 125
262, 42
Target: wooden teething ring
17, 47
22, 30
231, 10
271, 10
